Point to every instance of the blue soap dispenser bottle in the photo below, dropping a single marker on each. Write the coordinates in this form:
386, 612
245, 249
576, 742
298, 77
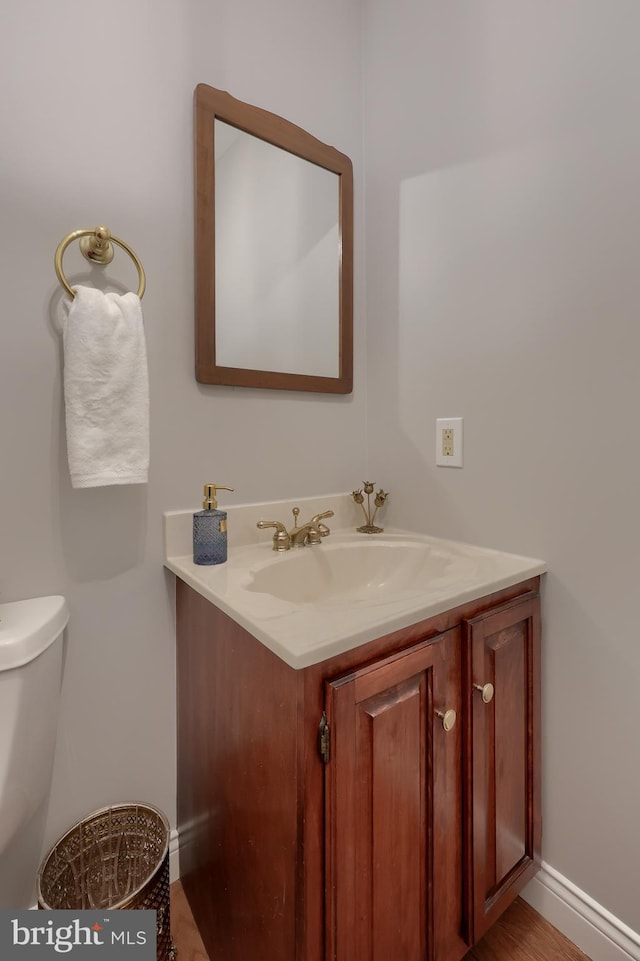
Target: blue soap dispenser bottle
210, 529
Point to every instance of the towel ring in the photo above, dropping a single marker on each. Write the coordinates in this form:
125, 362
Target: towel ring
96, 246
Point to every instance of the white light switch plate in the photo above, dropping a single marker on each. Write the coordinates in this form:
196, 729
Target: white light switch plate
449, 442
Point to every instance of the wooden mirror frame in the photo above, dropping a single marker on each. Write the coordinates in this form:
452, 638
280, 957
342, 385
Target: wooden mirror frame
211, 104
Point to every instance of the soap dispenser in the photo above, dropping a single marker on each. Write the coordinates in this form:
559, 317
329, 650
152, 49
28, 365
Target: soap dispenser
210, 529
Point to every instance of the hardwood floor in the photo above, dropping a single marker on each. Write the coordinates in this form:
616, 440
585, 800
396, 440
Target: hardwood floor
183, 929
521, 934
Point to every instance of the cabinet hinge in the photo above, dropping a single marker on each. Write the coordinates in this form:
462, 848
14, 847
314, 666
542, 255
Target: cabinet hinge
324, 738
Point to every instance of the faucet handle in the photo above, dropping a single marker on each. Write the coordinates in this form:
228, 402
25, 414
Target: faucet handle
318, 517
322, 529
281, 540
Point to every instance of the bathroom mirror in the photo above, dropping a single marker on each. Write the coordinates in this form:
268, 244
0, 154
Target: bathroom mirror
274, 251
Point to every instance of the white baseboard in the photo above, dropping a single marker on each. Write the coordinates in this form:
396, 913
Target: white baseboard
596, 931
174, 862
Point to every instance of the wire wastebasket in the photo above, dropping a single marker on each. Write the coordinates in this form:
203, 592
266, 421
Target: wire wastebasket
115, 858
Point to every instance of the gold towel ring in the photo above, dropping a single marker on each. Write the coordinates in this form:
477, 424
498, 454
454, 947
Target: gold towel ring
96, 246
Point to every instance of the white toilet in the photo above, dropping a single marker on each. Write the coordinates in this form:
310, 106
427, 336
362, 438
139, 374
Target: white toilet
30, 679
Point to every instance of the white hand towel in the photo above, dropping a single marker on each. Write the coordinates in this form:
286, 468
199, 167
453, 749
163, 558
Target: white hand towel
106, 389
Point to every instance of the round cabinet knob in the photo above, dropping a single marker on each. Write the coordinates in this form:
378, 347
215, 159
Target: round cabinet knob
487, 691
448, 719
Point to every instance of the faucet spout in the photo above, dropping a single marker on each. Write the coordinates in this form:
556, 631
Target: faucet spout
311, 532
307, 534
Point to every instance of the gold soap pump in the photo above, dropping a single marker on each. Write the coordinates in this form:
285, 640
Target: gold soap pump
210, 529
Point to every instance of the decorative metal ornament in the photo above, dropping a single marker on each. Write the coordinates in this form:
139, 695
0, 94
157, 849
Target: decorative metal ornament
381, 496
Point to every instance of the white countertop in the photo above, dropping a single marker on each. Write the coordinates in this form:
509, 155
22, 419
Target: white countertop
305, 633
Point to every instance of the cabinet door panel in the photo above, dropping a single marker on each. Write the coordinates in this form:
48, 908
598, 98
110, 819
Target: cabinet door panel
510, 744
394, 815
503, 771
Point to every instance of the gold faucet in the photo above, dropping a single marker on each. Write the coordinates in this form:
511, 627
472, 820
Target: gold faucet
308, 534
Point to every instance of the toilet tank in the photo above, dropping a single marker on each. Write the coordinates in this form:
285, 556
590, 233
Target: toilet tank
31, 634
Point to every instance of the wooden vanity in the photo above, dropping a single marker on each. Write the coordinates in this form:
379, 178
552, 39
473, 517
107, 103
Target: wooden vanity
340, 811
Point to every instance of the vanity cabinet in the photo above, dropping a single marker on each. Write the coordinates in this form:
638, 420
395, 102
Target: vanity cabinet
344, 811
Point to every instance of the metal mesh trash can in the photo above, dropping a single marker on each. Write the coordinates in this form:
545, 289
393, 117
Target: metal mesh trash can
116, 858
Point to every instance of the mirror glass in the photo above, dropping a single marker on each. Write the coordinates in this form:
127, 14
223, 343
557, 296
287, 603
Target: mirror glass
276, 259
274, 251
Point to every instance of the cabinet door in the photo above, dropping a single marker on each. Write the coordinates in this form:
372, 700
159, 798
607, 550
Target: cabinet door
503, 814
394, 808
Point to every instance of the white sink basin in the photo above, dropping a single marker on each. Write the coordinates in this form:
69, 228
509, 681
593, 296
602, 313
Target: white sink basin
311, 603
367, 570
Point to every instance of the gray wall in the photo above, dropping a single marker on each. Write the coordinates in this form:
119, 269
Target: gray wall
96, 126
503, 285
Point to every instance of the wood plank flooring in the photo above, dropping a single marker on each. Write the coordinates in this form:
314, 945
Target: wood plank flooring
521, 934
184, 932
